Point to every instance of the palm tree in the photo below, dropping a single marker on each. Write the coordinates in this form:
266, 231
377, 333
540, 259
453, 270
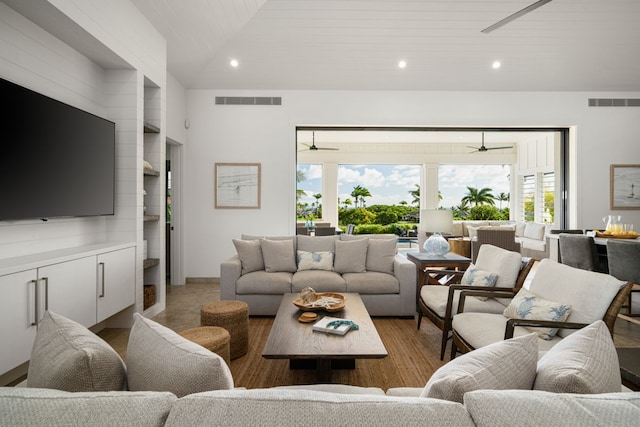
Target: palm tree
462, 209
415, 194
503, 197
300, 176
347, 202
317, 196
479, 197
359, 193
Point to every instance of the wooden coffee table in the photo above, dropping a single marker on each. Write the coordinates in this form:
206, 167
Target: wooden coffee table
296, 341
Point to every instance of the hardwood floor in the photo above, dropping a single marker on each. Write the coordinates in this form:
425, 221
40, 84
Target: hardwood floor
413, 354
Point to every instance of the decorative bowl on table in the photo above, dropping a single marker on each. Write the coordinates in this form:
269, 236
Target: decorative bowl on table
311, 301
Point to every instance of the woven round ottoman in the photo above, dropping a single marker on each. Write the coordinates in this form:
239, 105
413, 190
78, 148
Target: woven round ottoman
234, 317
213, 338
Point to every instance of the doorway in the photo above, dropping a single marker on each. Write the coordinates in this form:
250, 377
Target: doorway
173, 209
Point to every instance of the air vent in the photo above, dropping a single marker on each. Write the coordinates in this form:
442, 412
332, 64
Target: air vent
614, 102
248, 100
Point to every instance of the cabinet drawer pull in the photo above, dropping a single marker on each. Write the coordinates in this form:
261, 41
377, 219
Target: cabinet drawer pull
35, 314
46, 293
101, 266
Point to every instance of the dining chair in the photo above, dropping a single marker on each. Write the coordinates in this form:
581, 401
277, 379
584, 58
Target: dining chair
579, 252
567, 231
501, 237
590, 295
623, 258
439, 302
304, 231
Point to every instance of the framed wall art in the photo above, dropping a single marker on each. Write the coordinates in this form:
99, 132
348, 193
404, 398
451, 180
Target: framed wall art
237, 185
625, 187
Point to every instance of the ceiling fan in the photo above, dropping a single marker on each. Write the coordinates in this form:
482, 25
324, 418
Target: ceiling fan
313, 146
515, 16
482, 148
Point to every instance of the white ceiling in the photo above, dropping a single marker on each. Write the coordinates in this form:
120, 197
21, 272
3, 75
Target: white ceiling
591, 45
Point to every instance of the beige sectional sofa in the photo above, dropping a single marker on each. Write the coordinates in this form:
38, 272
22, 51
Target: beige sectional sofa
501, 384
532, 236
265, 268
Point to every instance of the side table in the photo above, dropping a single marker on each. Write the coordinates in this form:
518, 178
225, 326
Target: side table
424, 261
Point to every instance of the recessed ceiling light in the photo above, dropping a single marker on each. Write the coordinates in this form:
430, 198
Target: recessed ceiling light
234, 63
496, 65
402, 64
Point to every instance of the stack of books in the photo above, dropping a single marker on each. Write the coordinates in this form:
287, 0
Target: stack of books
342, 328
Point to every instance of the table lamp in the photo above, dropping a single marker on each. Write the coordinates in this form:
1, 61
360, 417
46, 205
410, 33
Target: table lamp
436, 221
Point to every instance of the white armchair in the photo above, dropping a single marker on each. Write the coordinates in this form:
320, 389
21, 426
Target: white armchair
438, 302
591, 296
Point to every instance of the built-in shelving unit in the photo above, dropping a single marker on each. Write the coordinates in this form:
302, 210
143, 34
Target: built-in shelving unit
154, 194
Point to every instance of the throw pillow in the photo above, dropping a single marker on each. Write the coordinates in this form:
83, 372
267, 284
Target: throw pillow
315, 260
505, 365
278, 255
351, 256
473, 231
527, 305
584, 362
67, 356
381, 254
250, 254
158, 359
474, 276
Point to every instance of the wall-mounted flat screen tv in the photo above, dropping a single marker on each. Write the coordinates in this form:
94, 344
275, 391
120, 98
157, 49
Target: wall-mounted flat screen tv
55, 160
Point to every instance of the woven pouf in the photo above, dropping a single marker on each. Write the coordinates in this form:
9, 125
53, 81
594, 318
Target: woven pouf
213, 338
234, 317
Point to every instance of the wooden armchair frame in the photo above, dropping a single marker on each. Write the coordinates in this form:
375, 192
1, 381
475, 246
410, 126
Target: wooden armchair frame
609, 318
452, 279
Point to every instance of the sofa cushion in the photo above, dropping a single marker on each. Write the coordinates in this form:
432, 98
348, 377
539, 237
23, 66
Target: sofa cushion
539, 408
158, 359
319, 280
317, 243
250, 254
590, 293
527, 305
46, 407
371, 282
584, 362
481, 329
504, 365
381, 254
533, 230
435, 297
261, 282
533, 244
475, 224
505, 264
67, 356
315, 260
281, 407
351, 256
279, 255
520, 226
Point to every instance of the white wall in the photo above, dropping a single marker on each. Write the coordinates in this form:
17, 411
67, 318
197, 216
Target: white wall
266, 134
38, 59
176, 110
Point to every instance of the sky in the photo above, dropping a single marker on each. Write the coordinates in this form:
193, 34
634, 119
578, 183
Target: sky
391, 184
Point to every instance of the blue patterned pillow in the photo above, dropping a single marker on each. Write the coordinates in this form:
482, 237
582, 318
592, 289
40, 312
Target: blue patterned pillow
527, 305
473, 276
315, 260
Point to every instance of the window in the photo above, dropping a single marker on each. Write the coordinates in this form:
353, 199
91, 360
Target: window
309, 191
548, 199
528, 196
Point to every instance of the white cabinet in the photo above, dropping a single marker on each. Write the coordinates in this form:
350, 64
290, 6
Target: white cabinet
86, 285
17, 318
116, 282
69, 289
